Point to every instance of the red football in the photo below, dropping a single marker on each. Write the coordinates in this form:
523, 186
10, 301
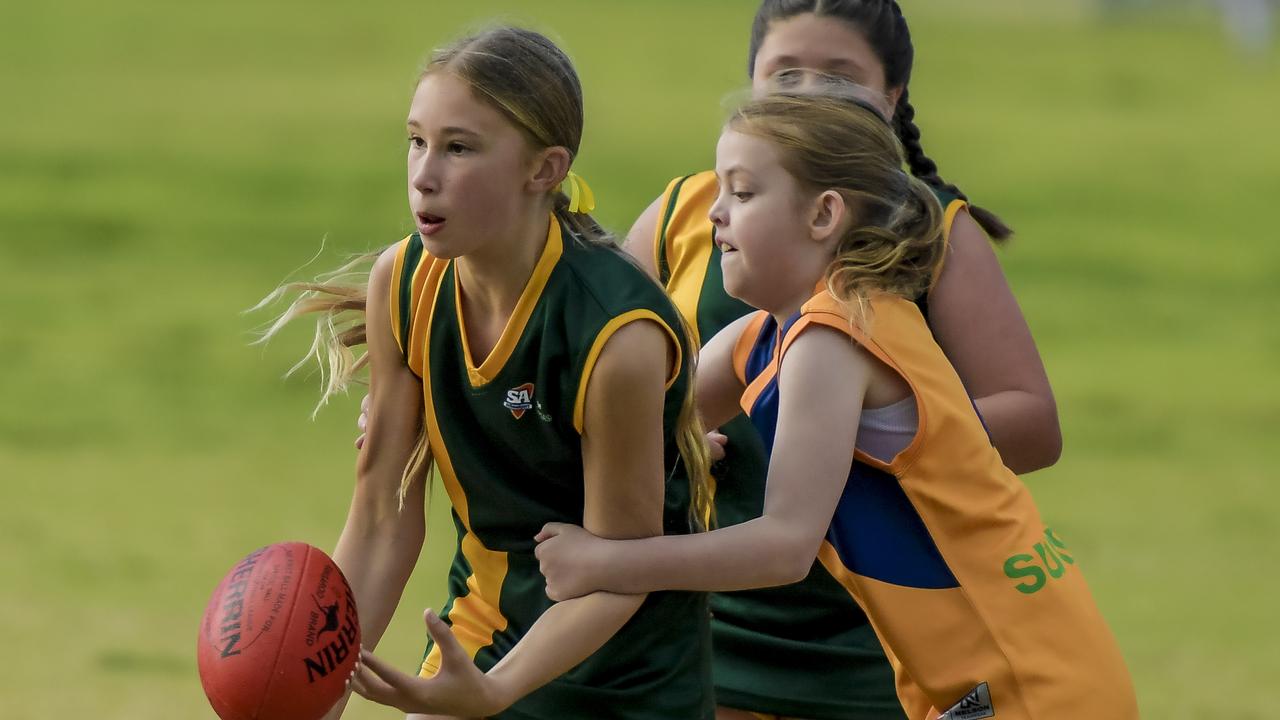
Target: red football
280, 636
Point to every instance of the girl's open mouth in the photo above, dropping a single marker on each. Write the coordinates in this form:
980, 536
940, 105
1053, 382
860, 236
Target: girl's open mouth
429, 224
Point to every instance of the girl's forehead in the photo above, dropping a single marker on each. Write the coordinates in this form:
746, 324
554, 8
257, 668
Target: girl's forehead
824, 40
440, 88
443, 98
745, 151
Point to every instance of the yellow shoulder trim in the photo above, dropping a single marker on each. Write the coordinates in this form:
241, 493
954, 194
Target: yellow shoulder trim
901, 329
611, 327
425, 285
397, 267
824, 309
689, 246
949, 216
662, 252
948, 219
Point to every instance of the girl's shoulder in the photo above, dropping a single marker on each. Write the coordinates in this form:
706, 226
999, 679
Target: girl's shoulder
410, 270
682, 217
687, 190
889, 324
603, 277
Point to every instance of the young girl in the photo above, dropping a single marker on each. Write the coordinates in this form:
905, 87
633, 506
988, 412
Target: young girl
547, 378
775, 650
878, 463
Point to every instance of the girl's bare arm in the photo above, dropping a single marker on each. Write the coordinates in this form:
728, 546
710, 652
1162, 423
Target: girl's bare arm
980, 327
812, 452
380, 543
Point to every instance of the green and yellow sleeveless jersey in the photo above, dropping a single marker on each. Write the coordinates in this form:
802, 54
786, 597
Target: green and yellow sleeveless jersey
505, 435
804, 650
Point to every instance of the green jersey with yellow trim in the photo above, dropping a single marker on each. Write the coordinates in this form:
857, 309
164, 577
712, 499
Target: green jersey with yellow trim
804, 650
506, 437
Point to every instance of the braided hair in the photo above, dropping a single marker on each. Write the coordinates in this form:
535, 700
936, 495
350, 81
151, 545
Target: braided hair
881, 22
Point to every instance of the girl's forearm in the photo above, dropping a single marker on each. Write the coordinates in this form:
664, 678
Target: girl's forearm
759, 553
565, 635
377, 561
1023, 427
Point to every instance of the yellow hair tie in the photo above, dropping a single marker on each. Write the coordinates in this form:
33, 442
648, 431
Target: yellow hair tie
581, 199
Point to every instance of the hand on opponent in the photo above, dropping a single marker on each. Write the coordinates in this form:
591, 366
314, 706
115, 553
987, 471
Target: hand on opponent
571, 559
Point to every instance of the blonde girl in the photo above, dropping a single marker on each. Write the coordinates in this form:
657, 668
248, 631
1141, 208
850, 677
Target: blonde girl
879, 464
547, 378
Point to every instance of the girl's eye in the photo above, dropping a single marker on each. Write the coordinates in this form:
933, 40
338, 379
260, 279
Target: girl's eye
416, 141
789, 78
457, 148
742, 196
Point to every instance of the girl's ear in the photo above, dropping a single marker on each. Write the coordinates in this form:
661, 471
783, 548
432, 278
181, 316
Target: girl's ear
892, 96
828, 216
548, 168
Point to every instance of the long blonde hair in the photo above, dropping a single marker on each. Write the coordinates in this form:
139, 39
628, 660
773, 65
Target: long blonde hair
831, 139
527, 78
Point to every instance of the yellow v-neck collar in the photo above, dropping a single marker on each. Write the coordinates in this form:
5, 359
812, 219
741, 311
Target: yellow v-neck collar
514, 328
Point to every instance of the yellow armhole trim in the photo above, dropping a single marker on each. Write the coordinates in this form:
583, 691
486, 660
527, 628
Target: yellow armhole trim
579, 403
397, 267
689, 272
948, 219
658, 249
745, 342
840, 323
757, 386
742, 353
949, 216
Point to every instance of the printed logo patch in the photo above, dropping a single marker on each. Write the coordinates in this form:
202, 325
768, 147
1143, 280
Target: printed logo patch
1034, 574
519, 399
974, 706
330, 614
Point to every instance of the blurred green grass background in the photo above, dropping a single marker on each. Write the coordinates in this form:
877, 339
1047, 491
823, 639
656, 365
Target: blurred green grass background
164, 165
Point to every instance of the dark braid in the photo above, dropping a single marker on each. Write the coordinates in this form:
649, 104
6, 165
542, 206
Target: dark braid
923, 167
882, 23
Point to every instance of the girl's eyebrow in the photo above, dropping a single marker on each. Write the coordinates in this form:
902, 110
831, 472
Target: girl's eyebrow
731, 171
451, 130
839, 63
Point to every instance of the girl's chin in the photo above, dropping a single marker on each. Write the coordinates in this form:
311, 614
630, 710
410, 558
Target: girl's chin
441, 248
734, 287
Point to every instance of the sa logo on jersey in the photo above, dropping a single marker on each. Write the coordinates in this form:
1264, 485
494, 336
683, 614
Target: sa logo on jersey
519, 399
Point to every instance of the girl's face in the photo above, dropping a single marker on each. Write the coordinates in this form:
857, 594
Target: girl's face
467, 167
761, 219
825, 44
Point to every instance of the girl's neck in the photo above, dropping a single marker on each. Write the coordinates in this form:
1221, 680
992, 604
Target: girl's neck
493, 278
790, 303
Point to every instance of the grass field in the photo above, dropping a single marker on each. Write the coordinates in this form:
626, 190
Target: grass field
163, 165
